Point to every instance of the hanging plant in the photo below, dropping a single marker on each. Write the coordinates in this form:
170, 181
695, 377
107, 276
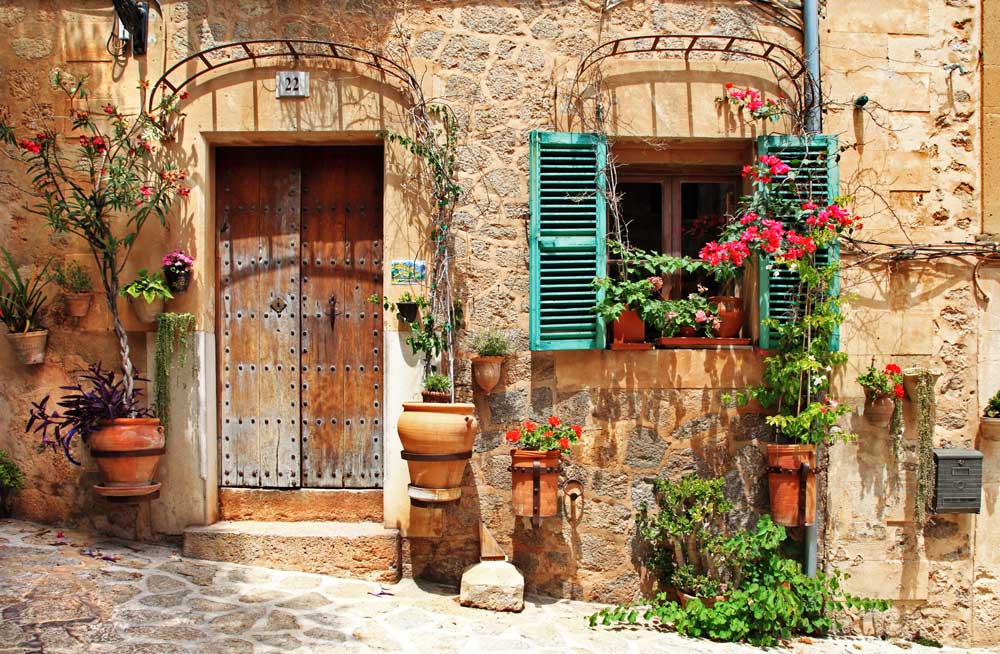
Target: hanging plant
172, 331
925, 444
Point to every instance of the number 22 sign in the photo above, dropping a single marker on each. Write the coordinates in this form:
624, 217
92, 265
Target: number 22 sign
292, 84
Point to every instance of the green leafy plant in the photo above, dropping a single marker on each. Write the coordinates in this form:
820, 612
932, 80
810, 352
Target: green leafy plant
684, 537
148, 286
620, 295
887, 381
426, 338
694, 311
72, 278
11, 481
172, 333
552, 435
491, 343
992, 409
774, 598
104, 184
434, 383
22, 300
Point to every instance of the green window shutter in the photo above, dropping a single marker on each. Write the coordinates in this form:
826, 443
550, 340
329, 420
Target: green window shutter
566, 239
813, 159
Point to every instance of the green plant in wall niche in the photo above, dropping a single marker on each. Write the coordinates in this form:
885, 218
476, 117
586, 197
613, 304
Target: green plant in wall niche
11, 481
172, 332
925, 444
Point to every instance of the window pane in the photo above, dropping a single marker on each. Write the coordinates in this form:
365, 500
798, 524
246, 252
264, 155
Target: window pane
704, 206
642, 214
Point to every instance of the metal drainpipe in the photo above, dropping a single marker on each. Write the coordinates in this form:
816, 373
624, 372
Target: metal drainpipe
814, 124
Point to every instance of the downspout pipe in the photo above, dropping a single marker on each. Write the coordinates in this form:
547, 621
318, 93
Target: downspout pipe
810, 44
813, 125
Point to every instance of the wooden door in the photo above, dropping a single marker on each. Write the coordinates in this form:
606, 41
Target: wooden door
299, 254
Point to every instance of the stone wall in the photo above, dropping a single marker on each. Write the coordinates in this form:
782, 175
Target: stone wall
910, 161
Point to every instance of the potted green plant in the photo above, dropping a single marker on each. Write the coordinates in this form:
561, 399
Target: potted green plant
543, 444
491, 347
690, 317
177, 266
11, 481
437, 388
78, 290
146, 294
883, 393
22, 306
989, 423
126, 181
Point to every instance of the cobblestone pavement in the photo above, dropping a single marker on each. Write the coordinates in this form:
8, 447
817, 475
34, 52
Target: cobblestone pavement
66, 592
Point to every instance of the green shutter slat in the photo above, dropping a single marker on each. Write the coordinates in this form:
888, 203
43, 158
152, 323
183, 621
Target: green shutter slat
566, 239
814, 162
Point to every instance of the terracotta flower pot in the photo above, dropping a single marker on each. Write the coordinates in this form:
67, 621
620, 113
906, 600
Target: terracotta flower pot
910, 378
437, 443
784, 479
879, 408
127, 452
730, 313
628, 328
523, 482
177, 282
77, 304
683, 598
146, 311
687, 331
29, 347
435, 397
486, 372
989, 428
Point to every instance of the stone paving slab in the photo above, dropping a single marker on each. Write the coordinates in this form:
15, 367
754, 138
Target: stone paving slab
78, 594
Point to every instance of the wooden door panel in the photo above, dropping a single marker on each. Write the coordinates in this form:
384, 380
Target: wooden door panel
277, 380
342, 439
362, 320
258, 348
323, 256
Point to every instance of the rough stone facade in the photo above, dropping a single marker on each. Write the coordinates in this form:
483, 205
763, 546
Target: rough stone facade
910, 160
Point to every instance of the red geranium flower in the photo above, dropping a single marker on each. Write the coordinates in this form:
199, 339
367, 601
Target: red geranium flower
578, 429
554, 421
899, 390
547, 433
894, 369
513, 436
530, 426
564, 443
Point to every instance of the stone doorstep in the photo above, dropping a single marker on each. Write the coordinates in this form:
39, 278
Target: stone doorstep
356, 550
301, 505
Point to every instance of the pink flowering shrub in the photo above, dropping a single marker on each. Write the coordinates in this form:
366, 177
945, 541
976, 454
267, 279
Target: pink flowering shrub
753, 101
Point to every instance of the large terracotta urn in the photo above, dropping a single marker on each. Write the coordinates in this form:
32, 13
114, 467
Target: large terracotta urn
127, 452
535, 482
785, 479
437, 443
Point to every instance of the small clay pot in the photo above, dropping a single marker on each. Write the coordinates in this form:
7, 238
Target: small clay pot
879, 408
435, 397
29, 347
687, 331
178, 282
731, 315
912, 375
486, 372
146, 311
683, 598
77, 304
989, 428
628, 328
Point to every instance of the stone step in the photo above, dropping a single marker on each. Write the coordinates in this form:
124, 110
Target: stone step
301, 505
357, 550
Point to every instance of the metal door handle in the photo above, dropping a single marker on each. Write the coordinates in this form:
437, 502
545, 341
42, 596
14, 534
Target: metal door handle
333, 311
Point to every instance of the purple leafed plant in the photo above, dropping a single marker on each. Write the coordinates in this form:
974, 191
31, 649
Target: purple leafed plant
98, 397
